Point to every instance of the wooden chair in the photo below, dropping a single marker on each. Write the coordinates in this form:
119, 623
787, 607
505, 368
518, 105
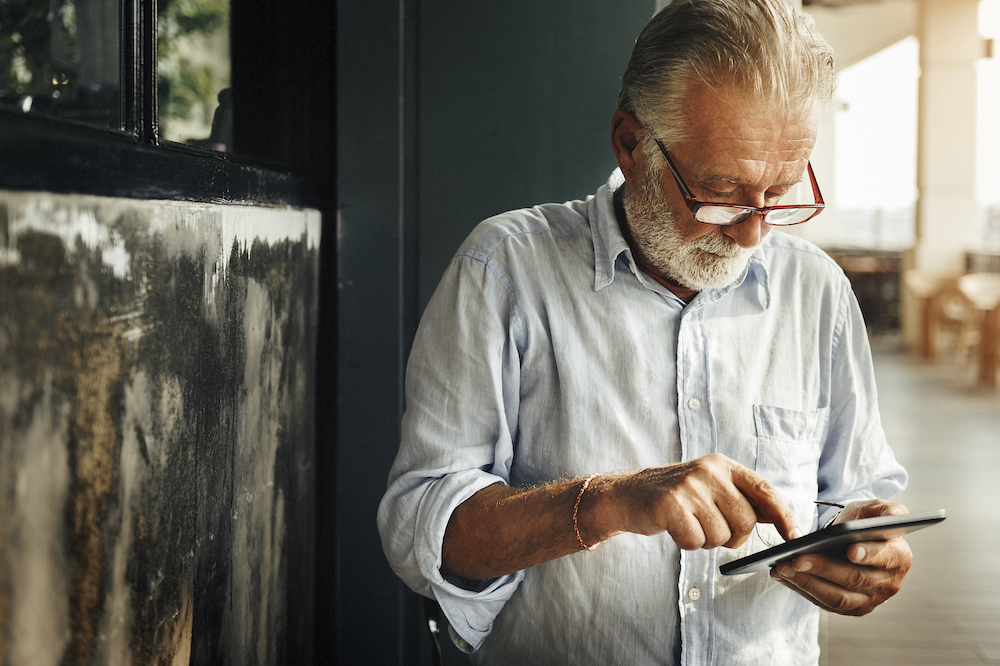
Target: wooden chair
983, 293
943, 310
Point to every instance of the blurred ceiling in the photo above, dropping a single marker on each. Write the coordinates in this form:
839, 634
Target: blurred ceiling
860, 28
835, 3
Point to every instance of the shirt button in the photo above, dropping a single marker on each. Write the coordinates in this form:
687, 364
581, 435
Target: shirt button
694, 594
694, 404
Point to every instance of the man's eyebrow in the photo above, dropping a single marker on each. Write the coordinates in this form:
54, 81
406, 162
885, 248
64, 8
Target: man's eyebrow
718, 178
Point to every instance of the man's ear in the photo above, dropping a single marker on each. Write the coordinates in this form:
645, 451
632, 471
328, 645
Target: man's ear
625, 143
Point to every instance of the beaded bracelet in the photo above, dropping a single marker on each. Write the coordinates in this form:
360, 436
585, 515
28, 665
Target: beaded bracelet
576, 509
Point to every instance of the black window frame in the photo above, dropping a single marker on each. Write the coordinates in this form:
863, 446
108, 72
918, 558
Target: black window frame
283, 72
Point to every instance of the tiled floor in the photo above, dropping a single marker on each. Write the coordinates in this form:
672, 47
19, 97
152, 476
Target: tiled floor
946, 431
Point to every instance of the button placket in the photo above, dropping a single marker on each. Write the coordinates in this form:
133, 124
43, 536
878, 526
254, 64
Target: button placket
695, 585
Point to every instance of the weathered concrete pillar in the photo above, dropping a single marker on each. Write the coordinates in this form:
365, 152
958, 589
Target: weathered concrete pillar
157, 431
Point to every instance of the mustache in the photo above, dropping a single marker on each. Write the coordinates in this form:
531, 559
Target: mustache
720, 245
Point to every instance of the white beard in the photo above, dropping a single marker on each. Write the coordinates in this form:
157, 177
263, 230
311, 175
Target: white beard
712, 261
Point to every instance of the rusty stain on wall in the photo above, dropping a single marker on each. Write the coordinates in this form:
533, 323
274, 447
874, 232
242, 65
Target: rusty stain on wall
156, 431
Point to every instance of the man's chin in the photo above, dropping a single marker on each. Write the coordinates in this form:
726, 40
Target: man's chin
716, 279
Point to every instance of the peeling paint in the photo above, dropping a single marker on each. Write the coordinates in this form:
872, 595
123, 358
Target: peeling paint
156, 430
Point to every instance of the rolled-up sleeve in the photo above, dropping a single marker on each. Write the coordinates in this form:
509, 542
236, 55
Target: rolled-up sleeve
458, 434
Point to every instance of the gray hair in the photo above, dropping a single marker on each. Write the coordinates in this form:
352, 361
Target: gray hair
765, 49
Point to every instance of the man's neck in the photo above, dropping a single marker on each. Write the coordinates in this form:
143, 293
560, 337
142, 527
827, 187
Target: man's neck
644, 265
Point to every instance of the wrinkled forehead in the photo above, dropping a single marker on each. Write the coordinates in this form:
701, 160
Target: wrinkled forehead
730, 136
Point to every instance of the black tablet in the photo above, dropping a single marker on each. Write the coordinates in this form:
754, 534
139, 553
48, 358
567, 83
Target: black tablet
834, 539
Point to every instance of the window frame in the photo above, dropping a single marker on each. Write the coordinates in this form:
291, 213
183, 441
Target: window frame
273, 58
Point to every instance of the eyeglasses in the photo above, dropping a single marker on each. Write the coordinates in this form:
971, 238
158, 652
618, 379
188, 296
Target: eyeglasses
726, 214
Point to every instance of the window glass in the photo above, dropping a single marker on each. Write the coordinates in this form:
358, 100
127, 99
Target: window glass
193, 73
60, 58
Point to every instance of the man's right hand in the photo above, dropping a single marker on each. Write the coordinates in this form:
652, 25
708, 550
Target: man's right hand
704, 503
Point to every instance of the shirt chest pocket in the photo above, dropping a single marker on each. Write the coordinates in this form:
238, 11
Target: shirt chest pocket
789, 443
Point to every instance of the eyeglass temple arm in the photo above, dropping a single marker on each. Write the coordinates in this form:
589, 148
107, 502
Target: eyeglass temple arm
815, 185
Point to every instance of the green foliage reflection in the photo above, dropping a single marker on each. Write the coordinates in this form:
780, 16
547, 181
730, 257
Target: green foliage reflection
38, 62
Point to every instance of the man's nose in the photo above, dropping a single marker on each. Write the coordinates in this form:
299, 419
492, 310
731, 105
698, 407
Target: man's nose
749, 232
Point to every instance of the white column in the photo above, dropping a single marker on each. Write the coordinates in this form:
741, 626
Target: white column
946, 157
947, 222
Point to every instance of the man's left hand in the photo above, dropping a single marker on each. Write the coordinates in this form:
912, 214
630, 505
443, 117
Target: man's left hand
872, 572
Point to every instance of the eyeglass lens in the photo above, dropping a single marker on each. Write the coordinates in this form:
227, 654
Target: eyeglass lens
734, 215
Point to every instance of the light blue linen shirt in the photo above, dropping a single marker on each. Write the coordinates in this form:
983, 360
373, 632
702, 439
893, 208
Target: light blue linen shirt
546, 354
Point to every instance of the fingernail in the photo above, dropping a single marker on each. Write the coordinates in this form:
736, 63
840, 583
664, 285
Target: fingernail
859, 556
804, 565
785, 571
795, 533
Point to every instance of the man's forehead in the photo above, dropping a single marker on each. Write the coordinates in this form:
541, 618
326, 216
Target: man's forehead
733, 140
718, 121
723, 168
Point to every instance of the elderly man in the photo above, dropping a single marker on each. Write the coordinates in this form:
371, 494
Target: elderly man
651, 370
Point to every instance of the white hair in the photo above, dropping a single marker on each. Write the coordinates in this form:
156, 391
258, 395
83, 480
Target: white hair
764, 49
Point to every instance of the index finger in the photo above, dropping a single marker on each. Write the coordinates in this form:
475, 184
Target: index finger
766, 501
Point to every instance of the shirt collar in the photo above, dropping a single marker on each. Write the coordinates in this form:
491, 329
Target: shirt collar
609, 244
608, 239
758, 267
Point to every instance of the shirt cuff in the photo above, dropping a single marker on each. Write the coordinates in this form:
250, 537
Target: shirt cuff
470, 606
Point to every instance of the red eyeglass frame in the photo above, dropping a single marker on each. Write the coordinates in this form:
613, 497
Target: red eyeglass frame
694, 205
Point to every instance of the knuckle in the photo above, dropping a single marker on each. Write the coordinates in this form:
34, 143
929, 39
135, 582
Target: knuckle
737, 541
687, 536
744, 522
841, 604
856, 579
714, 464
720, 537
687, 542
688, 483
762, 486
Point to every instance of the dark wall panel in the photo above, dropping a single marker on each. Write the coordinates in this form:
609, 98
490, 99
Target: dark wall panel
515, 106
375, 620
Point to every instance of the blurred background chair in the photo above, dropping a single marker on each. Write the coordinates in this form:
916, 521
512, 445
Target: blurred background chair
982, 290
945, 314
